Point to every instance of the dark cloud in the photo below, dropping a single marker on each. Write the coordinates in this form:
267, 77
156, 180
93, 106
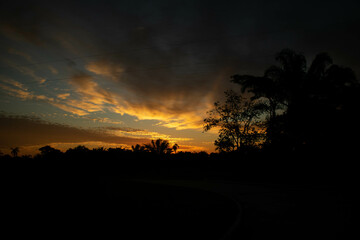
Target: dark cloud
179, 55
26, 131
22, 21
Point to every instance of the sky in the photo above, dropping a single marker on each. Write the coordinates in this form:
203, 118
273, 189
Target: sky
118, 73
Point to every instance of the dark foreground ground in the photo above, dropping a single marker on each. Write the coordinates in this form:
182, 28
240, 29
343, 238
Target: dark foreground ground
163, 200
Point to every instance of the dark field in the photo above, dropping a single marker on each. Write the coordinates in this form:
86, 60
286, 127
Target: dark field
187, 200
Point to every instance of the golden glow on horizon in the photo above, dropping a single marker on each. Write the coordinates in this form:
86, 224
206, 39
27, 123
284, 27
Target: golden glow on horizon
34, 149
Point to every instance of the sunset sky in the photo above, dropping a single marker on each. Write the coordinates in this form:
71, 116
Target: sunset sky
117, 73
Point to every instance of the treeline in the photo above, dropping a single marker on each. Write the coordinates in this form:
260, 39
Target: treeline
157, 150
161, 150
254, 165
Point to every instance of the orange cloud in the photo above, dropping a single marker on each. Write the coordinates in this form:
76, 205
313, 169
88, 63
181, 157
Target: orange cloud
138, 133
169, 119
190, 148
63, 95
105, 68
16, 92
90, 97
14, 83
69, 109
26, 131
90, 91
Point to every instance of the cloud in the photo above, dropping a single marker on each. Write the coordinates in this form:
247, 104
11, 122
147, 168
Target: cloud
14, 83
90, 91
94, 98
24, 70
69, 109
122, 129
13, 30
22, 54
53, 69
63, 95
104, 120
18, 90
172, 108
139, 133
190, 148
27, 131
170, 64
105, 68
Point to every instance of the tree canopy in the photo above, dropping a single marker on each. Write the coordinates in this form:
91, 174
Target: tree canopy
237, 120
304, 105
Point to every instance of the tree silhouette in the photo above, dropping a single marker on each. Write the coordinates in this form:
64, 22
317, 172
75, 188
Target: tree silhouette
99, 150
15, 151
138, 148
314, 99
175, 147
49, 152
281, 85
237, 120
159, 146
79, 151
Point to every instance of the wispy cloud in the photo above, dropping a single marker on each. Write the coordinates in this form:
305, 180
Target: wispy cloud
14, 83
63, 95
53, 69
90, 91
105, 68
20, 53
69, 109
26, 131
16, 89
105, 120
24, 70
122, 129
139, 133
15, 92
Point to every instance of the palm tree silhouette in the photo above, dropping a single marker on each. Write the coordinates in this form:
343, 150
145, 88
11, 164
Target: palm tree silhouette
280, 84
306, 95
15, 151
159, 146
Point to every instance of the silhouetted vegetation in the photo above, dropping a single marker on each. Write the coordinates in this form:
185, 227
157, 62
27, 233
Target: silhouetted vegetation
15, 151
307, 109
238, 120
159, 146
